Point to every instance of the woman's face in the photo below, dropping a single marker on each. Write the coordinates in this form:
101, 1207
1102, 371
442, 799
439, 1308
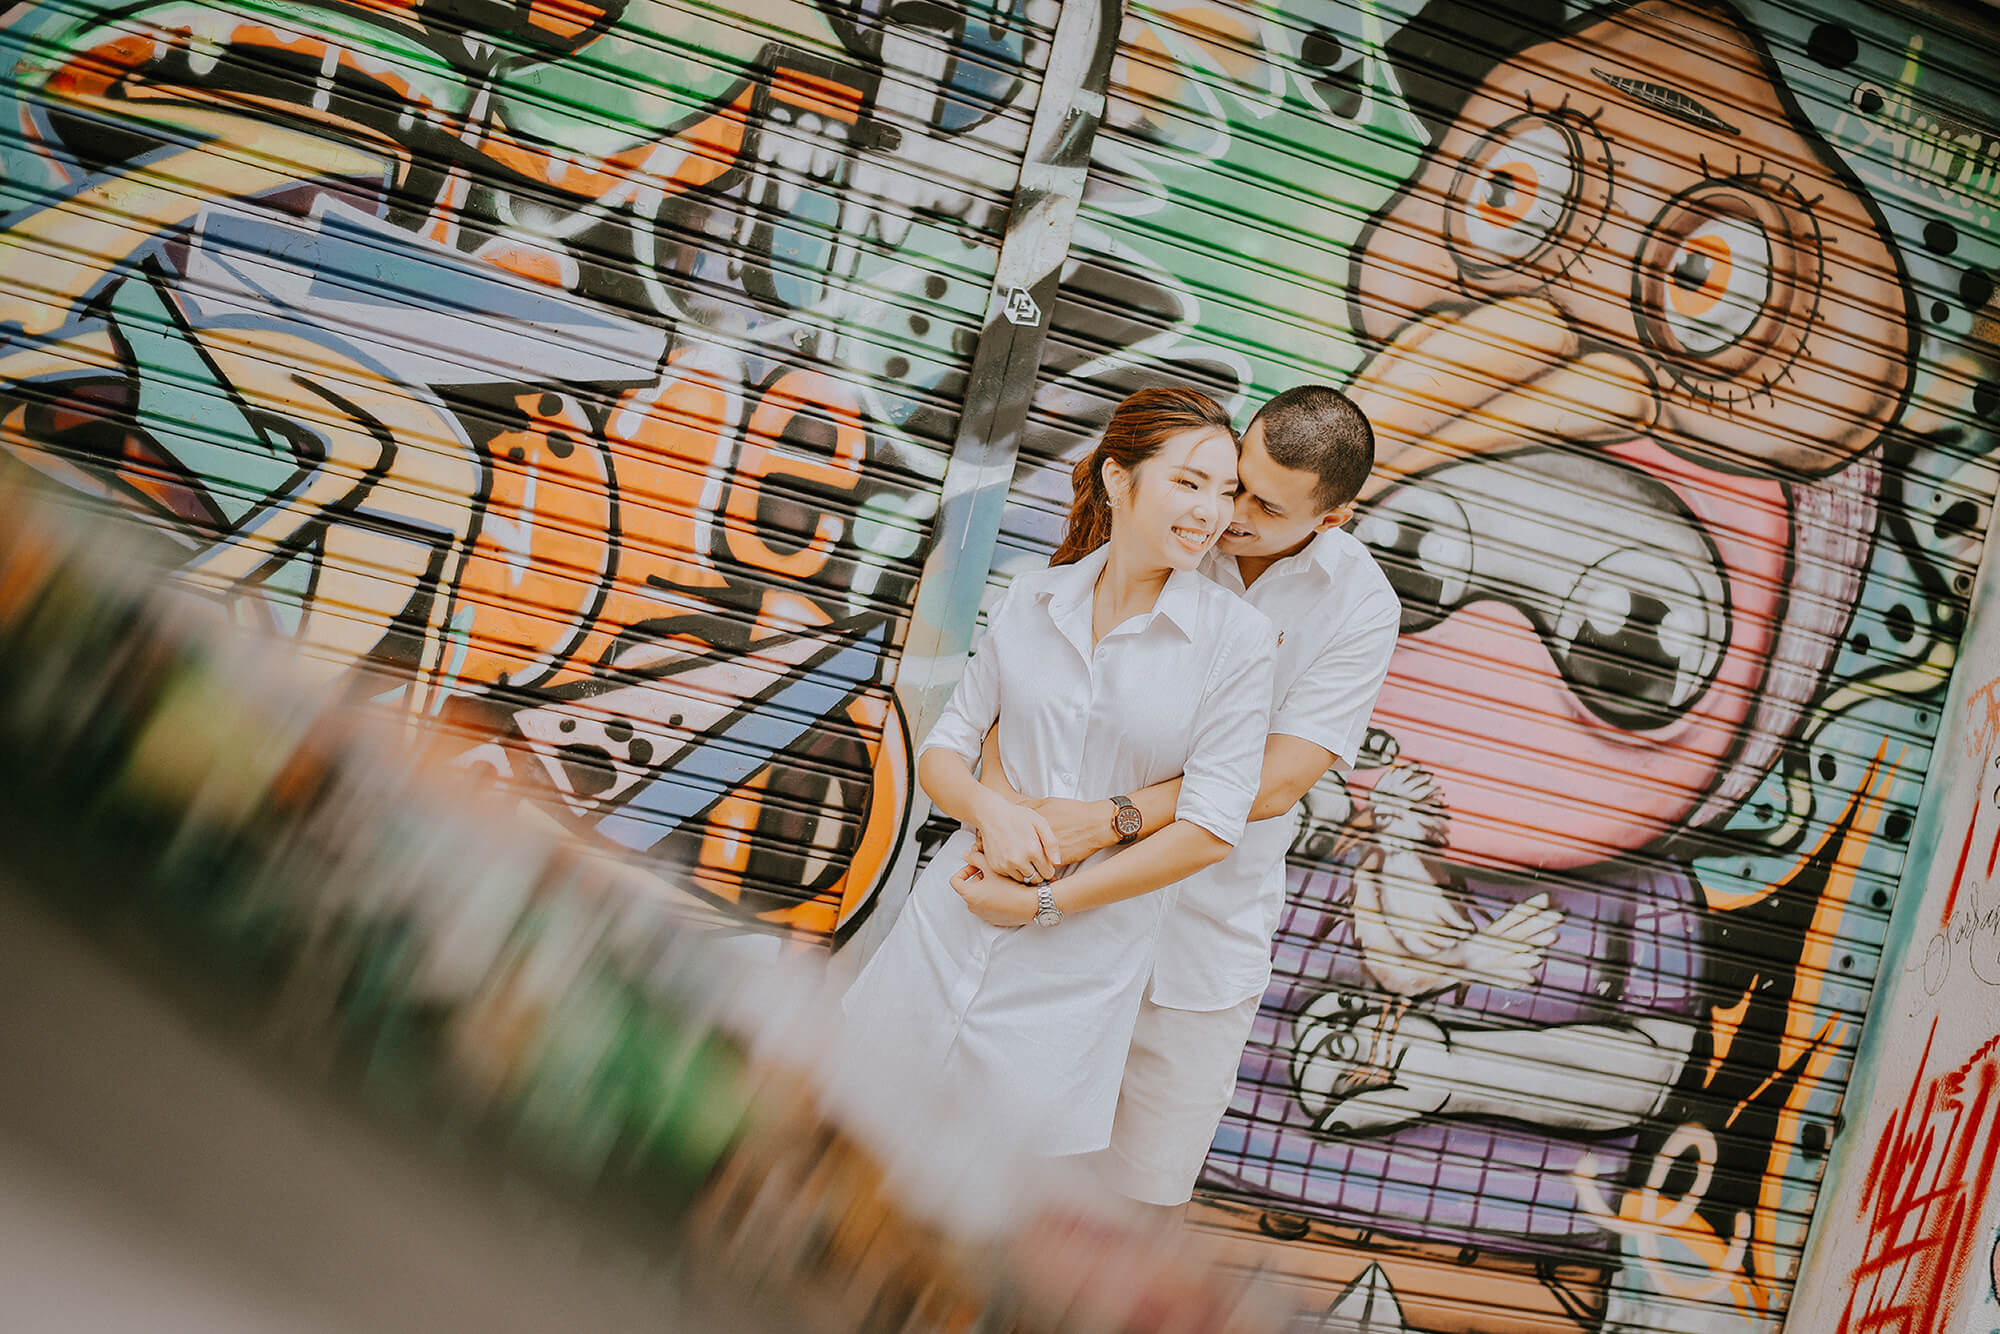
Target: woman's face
1170, 509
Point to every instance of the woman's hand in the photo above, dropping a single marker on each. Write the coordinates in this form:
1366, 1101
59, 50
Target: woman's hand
1017, 841
994, 899
1081, 828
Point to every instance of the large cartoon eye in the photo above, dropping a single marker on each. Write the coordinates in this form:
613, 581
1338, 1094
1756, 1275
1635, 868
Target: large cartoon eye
1423, 542
1520, 191
1638, 638
1532, 193
1726, 286
1718, 281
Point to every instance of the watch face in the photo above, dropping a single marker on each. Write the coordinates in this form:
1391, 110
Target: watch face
1047, 917
1129, 820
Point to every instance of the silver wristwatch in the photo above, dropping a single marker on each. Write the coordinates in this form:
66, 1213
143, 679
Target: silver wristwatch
1048, 914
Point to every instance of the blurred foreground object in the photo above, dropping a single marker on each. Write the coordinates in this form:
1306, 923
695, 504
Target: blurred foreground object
498, 985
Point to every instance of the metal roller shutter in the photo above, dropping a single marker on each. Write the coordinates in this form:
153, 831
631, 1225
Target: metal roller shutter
1676, 321
579, 375
583, 379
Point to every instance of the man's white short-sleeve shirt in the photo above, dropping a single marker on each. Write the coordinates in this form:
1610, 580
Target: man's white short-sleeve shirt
1336, 618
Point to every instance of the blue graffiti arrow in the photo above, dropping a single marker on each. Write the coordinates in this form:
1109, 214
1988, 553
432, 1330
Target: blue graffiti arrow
186, 405
428, 314
766, 726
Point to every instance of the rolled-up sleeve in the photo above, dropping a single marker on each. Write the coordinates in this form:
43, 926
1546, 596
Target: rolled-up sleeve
1226, 764
975, 701
1331, 701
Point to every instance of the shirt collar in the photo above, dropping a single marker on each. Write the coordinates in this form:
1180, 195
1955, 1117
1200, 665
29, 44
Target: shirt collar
1324, 555
1067, 596
1069, 586
1180, 600
1328, 551
1069, 589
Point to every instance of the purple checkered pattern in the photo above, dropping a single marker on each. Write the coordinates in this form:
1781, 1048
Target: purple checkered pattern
1629, 948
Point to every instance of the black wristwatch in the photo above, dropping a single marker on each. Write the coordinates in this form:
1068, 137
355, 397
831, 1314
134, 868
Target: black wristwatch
1126, 822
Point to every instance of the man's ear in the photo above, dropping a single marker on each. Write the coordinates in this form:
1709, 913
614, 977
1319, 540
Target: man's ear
1335, 518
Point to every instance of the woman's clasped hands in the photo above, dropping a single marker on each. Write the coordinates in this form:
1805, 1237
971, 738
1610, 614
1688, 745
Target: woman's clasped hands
1016, 852
995, 899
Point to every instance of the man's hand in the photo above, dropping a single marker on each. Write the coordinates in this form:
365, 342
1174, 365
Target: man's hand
1017, 840
1080, 828
995, 899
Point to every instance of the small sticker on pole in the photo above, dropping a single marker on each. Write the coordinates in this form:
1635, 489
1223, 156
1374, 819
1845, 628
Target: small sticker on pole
1020, 307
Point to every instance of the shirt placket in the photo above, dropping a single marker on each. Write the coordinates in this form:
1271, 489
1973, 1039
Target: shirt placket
1095, 768
1066, 767
1064, 771
1089, 730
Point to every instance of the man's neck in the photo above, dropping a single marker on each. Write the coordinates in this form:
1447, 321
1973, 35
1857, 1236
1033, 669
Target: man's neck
1253, 567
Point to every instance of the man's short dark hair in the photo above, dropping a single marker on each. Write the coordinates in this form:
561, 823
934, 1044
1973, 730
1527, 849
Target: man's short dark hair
1318, 429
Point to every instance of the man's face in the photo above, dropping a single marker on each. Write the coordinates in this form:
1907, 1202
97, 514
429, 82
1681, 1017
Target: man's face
1277, 508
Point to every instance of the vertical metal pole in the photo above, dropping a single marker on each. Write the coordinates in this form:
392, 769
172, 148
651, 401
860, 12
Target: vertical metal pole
999, 393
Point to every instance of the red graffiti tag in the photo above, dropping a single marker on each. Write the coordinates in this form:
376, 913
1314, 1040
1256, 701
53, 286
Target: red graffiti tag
1926, 1186
1982, 712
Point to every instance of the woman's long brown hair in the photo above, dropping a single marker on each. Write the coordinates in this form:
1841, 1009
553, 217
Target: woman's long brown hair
1137, 429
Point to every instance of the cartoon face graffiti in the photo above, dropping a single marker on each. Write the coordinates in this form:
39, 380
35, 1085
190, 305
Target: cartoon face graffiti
1629, 311
1636, 333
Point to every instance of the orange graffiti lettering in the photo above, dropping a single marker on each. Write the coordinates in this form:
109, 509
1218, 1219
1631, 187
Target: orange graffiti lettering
544, 547
801, 406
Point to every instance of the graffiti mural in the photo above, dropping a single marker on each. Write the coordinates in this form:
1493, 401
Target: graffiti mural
1586, 291
1904, 1236
582, 379
1683, 383
576, 378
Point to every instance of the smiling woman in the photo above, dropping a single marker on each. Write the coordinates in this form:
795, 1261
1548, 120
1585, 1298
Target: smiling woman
1175, 423
1117, 667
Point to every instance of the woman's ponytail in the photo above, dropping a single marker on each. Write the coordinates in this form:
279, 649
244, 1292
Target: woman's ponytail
1089, 514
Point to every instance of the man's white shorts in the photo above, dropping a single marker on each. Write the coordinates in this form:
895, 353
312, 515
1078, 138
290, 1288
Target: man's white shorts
1179, 1077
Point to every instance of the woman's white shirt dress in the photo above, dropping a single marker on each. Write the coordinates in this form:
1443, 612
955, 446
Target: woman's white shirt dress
1032, 1023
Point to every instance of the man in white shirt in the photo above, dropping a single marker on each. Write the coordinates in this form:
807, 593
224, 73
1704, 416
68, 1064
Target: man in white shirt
1304, 458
